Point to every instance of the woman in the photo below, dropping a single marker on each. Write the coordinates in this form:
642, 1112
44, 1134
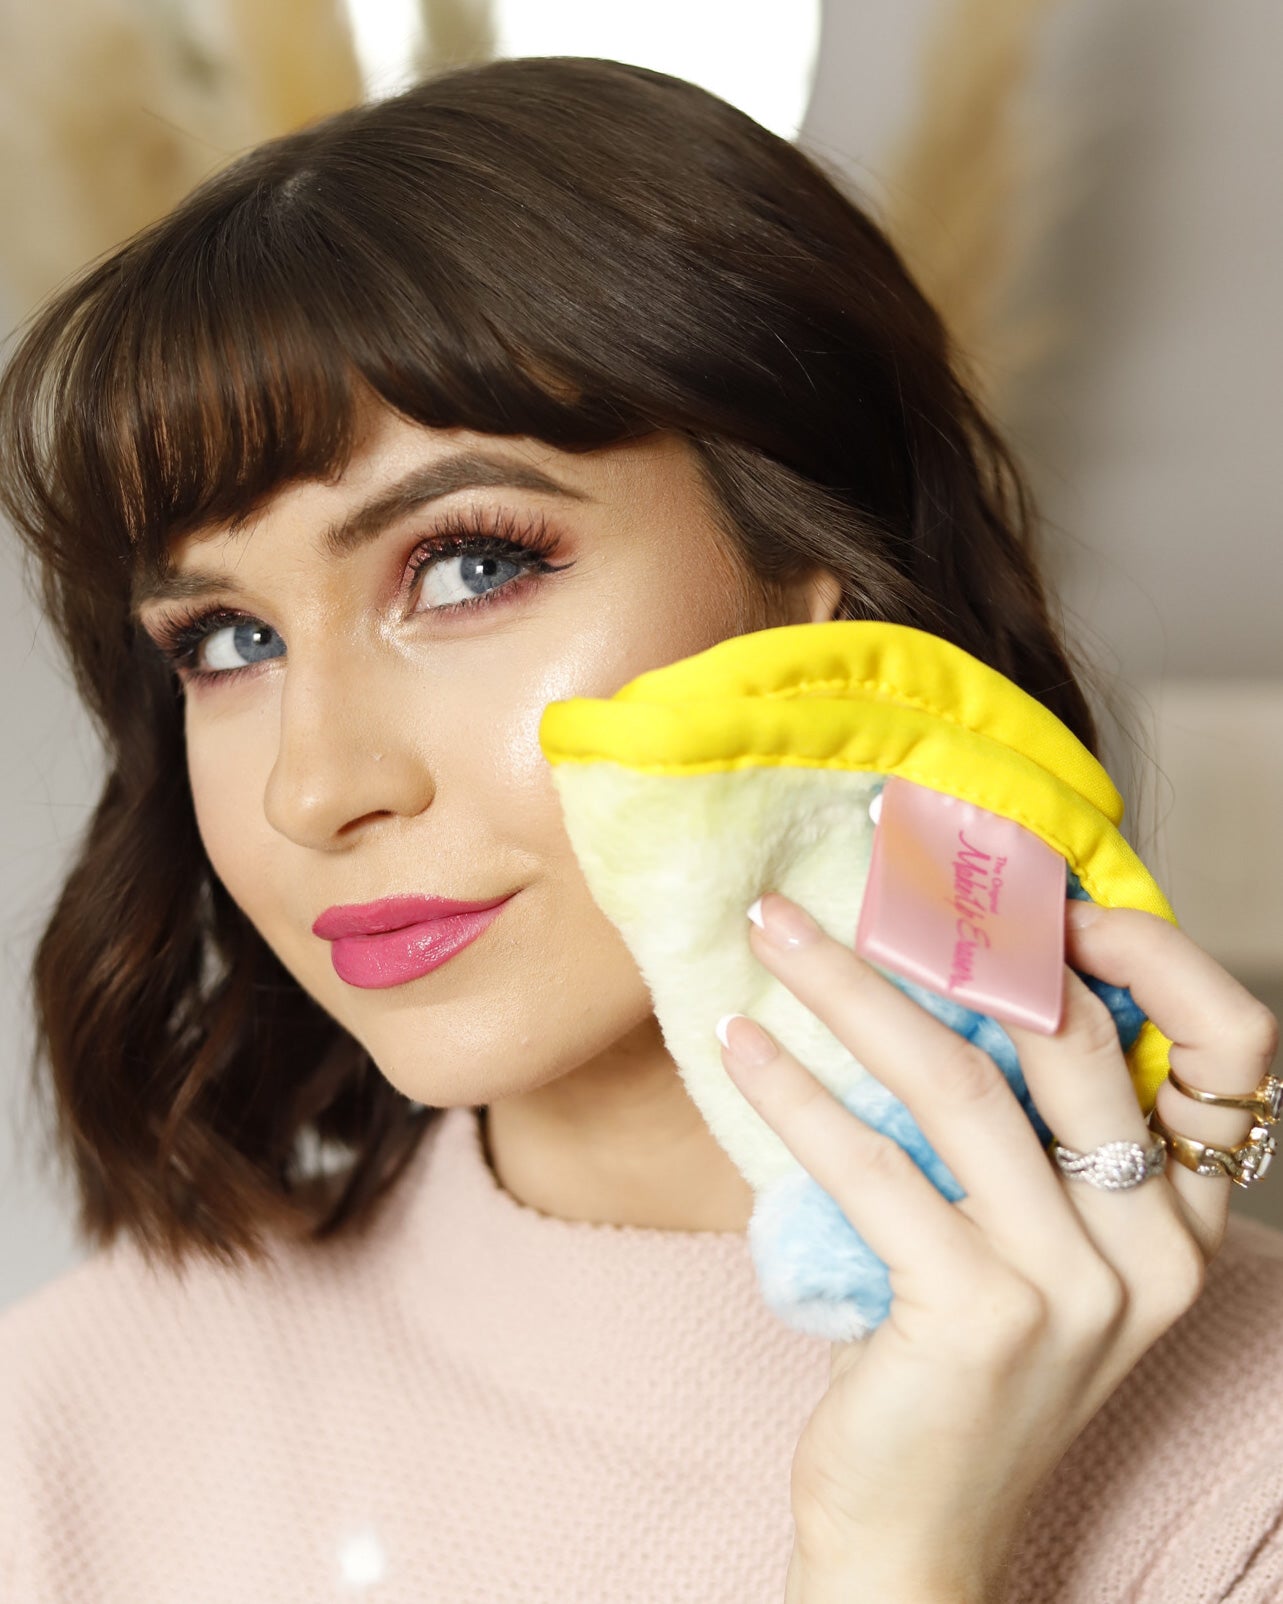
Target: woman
430, 1283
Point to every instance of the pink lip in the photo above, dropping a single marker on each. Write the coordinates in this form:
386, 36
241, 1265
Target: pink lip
392, 913
395, 956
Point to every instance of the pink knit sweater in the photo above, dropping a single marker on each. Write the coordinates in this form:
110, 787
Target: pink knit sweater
474, 1403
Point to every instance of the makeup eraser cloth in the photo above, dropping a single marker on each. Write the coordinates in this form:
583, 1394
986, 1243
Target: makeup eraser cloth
751, 767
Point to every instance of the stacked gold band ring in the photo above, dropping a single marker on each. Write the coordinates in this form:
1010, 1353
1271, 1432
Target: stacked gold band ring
1250, 1159
1266, 1102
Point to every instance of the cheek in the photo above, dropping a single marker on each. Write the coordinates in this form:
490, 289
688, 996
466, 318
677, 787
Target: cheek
486, 759
644, 614
651, 608
227, 778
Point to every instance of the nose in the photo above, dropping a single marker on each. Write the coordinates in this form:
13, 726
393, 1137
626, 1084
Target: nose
345, 754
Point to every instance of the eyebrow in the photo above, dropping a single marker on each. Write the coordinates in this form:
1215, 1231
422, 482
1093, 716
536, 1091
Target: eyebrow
464, 470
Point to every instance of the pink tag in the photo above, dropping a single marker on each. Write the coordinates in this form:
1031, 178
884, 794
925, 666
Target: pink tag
967, 903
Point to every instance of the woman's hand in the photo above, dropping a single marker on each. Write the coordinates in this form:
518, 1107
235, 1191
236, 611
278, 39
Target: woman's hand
1019, 1309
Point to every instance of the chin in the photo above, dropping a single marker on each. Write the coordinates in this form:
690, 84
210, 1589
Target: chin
429, 1080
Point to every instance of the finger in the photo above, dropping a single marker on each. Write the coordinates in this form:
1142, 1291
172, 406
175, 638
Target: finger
933, 1254
958, 1096
1223, 1038
1087, 1098
1085, 1095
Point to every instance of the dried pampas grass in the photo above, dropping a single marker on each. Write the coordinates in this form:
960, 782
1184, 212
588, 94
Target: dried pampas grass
955, 181
454, 33
295, 58
112, 110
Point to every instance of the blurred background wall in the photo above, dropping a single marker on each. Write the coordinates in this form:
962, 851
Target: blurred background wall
1090, 190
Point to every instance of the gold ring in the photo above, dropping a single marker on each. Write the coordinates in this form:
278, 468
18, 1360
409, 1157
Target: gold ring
1266, 1102
1243, 1164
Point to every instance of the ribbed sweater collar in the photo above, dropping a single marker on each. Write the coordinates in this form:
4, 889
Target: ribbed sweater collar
573, 1309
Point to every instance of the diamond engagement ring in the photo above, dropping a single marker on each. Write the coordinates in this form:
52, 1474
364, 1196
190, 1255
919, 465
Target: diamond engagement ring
1244, 1164
1114, 1167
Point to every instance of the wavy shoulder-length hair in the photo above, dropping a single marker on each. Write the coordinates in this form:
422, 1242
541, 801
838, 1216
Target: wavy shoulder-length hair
567, 248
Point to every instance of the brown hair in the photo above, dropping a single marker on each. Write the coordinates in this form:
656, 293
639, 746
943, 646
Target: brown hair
567, 248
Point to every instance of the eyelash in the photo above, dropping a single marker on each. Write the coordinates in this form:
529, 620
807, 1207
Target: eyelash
472, 533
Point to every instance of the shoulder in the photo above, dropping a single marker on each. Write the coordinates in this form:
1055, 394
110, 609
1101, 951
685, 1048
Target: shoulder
130, 1397
117, 1339
70, 1355
113, 1293
57, 1320
1174, 1491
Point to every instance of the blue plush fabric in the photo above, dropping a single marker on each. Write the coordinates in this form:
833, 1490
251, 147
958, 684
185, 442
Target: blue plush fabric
816, 1272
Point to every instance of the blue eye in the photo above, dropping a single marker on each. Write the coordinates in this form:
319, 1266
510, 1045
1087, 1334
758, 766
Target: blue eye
253, 640
478, 567
478, 556
483, 548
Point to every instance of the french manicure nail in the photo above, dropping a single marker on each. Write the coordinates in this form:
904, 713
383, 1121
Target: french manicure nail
782, 922
753, 1045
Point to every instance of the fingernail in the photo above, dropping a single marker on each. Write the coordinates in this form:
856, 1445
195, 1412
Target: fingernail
1079, 913
752, 1045
782, 922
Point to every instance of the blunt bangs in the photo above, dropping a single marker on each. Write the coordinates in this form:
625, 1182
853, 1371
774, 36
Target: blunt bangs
432, 253
235, 346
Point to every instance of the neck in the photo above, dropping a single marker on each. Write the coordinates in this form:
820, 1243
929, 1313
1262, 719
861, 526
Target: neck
617, 1142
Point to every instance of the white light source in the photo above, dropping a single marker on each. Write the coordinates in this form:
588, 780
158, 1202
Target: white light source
385, 36
758, 54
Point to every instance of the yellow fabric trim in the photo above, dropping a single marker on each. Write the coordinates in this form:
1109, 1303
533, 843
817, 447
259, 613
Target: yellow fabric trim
887, 699
859, 659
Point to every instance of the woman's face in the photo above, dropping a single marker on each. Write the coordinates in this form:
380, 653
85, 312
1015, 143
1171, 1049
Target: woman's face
364, 740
